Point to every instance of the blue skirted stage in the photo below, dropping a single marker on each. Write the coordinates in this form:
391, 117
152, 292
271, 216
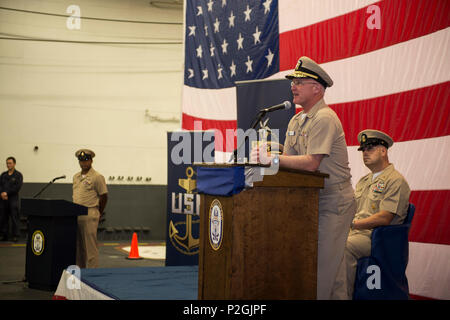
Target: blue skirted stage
141, 283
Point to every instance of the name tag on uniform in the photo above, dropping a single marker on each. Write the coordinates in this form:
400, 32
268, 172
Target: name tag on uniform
291, 133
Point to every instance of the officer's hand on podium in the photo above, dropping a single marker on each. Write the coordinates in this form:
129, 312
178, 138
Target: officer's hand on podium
260, 155
264, 156
254, 155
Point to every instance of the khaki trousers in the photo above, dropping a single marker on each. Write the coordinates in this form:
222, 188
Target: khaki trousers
358, 246
337, 207
87, 246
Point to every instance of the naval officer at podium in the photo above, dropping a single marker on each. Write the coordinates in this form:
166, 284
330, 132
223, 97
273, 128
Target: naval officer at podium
315, 140
89, 190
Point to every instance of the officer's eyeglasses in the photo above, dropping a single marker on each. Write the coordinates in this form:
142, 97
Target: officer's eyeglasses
297, 82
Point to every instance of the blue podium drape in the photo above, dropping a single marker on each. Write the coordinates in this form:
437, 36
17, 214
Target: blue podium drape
220, 181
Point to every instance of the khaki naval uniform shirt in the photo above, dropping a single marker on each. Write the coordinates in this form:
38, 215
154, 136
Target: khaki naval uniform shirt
87, 189
320, 132
389, 191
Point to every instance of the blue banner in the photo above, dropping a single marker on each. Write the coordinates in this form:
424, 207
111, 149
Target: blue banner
183, 201
252, 96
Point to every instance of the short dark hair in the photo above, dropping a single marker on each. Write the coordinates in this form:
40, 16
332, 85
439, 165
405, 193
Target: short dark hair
11, 158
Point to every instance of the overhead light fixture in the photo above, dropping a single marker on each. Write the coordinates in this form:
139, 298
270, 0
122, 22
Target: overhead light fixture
174, 4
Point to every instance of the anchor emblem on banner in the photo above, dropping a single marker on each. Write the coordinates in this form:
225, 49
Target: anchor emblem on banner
186, 243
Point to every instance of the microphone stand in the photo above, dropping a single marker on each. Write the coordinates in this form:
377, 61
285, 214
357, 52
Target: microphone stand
258, 118
45, 187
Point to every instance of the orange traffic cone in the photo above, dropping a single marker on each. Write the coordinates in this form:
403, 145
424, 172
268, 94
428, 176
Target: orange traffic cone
134, 252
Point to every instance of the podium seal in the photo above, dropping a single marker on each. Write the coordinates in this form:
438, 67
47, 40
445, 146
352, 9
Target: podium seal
37, 242
215, 224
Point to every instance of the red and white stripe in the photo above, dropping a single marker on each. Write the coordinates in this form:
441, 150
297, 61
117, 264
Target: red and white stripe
395, 79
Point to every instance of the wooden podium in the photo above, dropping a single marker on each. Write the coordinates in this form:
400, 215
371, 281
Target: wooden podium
268, 247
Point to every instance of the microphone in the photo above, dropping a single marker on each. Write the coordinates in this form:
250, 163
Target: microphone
57, 178
285, 105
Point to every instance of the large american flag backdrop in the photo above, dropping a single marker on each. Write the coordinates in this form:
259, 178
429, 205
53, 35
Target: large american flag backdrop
390, 63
